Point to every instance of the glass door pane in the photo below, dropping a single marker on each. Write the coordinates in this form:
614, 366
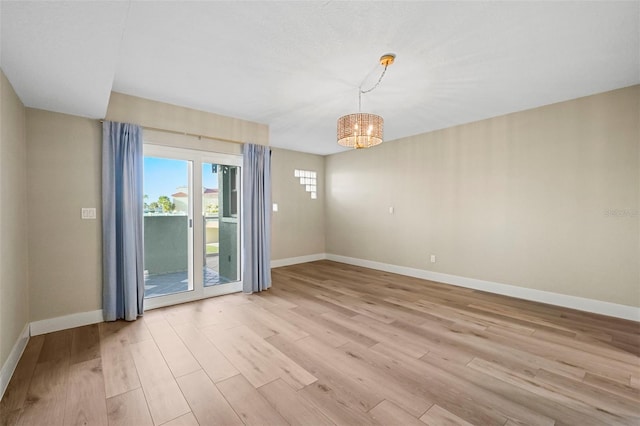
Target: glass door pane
220, 212
167, 227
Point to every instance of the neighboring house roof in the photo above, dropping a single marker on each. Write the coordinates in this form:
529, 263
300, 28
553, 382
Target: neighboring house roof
207, 191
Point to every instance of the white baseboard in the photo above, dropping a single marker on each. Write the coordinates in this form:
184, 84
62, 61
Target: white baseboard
573, 302
295, 260
68, 321
12, 362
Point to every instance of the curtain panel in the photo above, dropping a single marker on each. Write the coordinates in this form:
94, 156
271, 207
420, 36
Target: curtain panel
122, 238
256, 198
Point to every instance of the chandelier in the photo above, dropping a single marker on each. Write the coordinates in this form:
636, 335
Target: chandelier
363, 129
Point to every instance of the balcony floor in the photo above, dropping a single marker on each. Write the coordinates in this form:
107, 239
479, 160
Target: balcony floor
178, 282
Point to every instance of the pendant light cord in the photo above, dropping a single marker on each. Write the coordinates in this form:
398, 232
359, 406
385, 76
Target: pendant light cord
361, 92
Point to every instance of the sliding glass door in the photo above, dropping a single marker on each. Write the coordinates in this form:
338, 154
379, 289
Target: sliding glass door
191, 225
168, 234
220, 208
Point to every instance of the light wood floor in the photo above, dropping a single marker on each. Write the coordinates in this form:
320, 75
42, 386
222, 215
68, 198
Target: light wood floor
336, 344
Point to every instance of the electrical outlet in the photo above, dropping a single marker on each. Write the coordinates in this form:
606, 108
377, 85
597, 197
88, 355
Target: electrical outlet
433, 258
391, 210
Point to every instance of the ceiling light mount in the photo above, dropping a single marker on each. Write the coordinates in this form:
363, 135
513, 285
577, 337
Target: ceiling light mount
364, 130
387, 59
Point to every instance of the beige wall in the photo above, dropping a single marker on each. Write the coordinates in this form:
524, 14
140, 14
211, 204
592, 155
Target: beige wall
298, 225
64, 174
148, 113
14, 285
154, 137
522, 199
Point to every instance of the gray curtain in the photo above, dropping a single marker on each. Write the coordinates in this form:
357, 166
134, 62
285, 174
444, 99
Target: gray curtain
122, 240
256, 198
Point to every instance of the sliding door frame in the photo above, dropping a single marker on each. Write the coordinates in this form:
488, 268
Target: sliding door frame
196, 220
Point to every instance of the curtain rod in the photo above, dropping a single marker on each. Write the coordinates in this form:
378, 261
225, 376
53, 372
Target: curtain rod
176, 132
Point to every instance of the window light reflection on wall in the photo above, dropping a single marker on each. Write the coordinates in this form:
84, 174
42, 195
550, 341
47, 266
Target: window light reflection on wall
308, 179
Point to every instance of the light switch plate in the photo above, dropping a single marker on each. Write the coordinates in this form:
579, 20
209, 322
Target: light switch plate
275, 207
88, 213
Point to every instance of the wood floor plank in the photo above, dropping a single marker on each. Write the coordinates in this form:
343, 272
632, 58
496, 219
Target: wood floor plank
476, 401
336, 405
16, 393
128, 409
213, 362
335, 327
388, 413
85, 343
306, 298
198, 314
345, 398
163, 395
262, 319
427, 312
590, 395
362, 308
613, 387
606, 367
256, 359
382, 333
56, 346
184, 420
291, 405
247, 402
437, 415
274, 299
591, 415
120, 374
586, 344
137, 331
488, 346
520, 405
10, 417
165, 401
150, 364
480, 404
206, 402
438, 346
47, 393
376, 376
86, 401
177, 356
311, 327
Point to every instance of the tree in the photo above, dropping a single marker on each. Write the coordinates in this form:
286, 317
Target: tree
166, 204
212, 208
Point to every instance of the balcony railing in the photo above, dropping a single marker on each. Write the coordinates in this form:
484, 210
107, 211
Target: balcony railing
166, 253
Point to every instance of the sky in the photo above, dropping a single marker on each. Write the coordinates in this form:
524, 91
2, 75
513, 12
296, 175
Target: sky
162, 176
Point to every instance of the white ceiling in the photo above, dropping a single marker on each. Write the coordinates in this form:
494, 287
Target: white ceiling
296, 66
